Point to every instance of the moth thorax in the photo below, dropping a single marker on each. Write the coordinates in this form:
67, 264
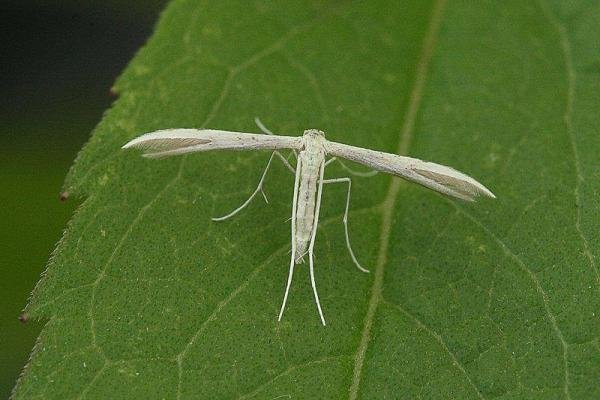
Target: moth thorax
314, 133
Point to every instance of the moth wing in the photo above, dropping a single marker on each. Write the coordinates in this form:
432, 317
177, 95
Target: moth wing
171, 142
437, 177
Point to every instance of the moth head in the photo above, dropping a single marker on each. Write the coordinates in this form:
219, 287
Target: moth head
314, 133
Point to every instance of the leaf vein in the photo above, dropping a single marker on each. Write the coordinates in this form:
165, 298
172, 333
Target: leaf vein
538, 287
571, 77
313, 82
289, 371
438, 339
184, 352
406, 134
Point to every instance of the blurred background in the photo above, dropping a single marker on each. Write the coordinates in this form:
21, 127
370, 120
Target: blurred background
60, 58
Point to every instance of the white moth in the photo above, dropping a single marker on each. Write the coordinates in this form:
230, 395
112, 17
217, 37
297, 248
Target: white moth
312, 148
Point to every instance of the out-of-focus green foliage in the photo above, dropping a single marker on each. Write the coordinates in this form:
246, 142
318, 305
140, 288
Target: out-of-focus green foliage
32, 221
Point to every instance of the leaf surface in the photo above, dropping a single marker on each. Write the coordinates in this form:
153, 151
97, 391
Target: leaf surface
146, 297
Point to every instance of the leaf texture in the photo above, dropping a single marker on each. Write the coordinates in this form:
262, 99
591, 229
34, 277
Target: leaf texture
145, 297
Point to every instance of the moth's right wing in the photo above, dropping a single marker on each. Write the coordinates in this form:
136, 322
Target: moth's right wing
171, 142
437, 177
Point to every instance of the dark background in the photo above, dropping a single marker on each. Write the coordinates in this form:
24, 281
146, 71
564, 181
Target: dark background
59, 60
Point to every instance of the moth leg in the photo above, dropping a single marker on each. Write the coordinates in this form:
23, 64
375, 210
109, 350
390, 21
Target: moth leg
332, 159
354, 172
259, 188
312, 244
266, 130
349, 181
292, 261
289, 281
285, 162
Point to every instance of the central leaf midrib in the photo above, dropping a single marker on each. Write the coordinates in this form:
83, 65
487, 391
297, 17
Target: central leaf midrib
405, 137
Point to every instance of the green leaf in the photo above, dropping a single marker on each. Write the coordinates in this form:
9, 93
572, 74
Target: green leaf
147, 298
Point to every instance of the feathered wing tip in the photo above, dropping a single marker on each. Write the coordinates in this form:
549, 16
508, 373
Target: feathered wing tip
169, 142
434, 176
450, 181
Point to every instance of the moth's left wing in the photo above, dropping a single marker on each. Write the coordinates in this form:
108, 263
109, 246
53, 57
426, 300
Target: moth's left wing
170, 142
438, 177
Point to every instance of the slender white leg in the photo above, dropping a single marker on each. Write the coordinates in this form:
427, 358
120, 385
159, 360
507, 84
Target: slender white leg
332, 159
349, 181
354, 172
312, 244
285, 162
258, 189
292, 261
264, 129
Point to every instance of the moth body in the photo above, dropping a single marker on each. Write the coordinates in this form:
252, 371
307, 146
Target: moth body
310, 162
